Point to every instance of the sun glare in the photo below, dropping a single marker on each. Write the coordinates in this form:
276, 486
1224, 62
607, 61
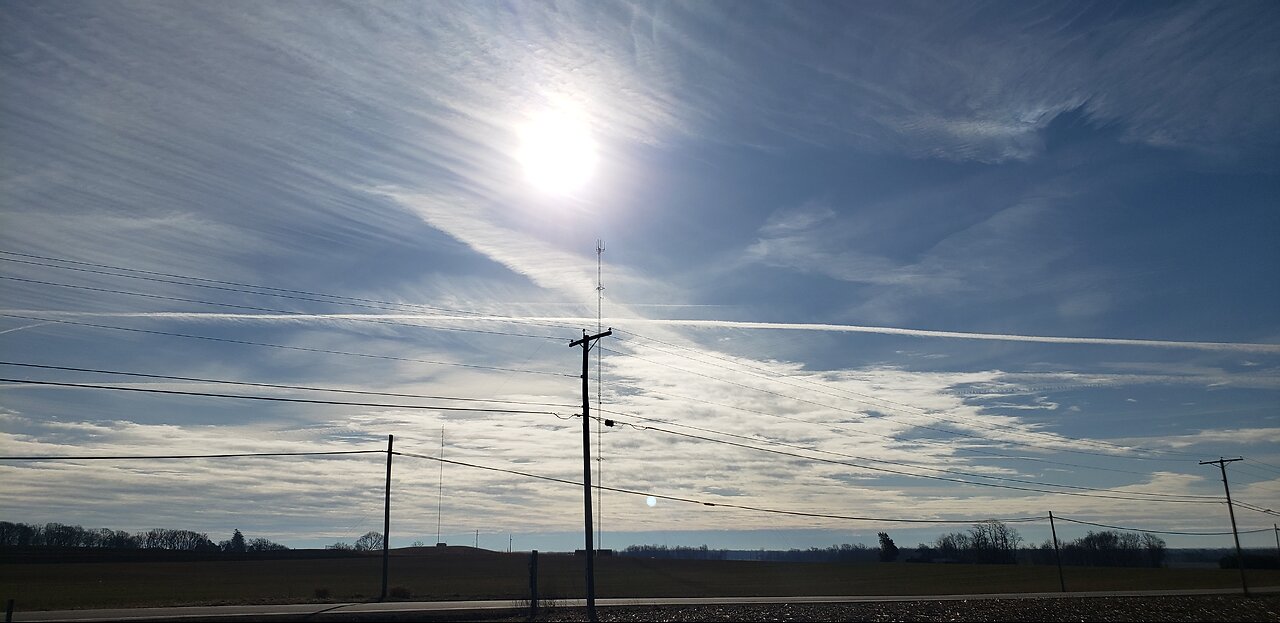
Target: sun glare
557, 152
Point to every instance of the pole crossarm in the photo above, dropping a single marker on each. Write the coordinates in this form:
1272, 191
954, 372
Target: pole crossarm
587, 339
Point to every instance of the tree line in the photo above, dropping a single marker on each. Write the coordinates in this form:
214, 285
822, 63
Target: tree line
368, 541
65, 536
847, 552
986, 542
1109, 548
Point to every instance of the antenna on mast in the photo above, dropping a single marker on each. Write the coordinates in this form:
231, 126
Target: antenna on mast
440, 494
599, 396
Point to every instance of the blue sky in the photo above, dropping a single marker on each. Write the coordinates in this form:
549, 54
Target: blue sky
1033, 245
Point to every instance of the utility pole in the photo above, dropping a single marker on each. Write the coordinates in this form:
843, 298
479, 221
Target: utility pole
585, 343
386, 519
1057, 554
1222, 465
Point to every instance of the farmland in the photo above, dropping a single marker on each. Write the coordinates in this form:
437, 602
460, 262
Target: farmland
458, 573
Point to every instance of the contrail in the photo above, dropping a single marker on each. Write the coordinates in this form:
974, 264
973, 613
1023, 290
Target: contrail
960, 335
1246, 347
28, 326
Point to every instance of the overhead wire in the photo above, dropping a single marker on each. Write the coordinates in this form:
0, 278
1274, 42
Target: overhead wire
1099, 493
566, 481
1254, 507
175, 392
1147, 495
283, 312
771, 374
353, 299
148, 457
854, 412
673, 498
281, 386
983, 453
1253, 461
1131, 494
1176, 532
920, 411
285, 347
271, 291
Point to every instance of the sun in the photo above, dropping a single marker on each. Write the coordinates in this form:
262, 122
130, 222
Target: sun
557, 152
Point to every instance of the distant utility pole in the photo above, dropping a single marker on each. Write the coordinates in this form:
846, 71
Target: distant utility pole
386, 519
1222, 465
585, 343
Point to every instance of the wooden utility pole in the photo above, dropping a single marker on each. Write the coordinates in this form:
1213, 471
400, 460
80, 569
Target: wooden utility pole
585, 343
386, 519
1222, 465
1057, 554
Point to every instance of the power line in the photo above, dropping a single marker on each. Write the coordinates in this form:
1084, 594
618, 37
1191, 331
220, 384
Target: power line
1153, 497
1255, 508
612, 489
148, 457
772, 376
279, 386
272, 291
982, 453
886, 461
1253, 461
276, 311
1102, 525
274, 398
281, 346
719, 504
851, 411
947, 479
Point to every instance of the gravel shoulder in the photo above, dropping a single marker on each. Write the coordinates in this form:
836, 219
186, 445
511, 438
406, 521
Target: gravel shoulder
1162, 608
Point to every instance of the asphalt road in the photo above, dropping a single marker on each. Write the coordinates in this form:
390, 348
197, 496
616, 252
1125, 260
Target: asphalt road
506, 605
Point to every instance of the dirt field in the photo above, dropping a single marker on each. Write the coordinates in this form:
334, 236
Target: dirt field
461, 573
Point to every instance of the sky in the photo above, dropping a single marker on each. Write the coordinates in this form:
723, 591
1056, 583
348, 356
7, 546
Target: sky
872, 266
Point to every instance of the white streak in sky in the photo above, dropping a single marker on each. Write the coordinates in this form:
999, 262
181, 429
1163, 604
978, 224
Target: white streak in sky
700, 324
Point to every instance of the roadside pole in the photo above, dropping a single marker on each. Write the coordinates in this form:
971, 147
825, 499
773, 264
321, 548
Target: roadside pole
1057, 554
585, 343
386, 519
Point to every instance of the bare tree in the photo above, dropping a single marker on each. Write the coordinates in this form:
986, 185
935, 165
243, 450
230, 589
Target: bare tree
370, 540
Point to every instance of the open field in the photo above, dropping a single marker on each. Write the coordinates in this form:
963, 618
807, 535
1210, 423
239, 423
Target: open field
427, 574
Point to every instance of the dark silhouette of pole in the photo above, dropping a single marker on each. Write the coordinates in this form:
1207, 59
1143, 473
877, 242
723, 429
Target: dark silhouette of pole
386, 519
1276, 527
585, 343
1057, 554
1222, 465
533, 584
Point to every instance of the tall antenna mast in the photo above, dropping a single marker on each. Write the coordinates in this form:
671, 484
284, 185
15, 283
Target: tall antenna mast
440, 495
599, 397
